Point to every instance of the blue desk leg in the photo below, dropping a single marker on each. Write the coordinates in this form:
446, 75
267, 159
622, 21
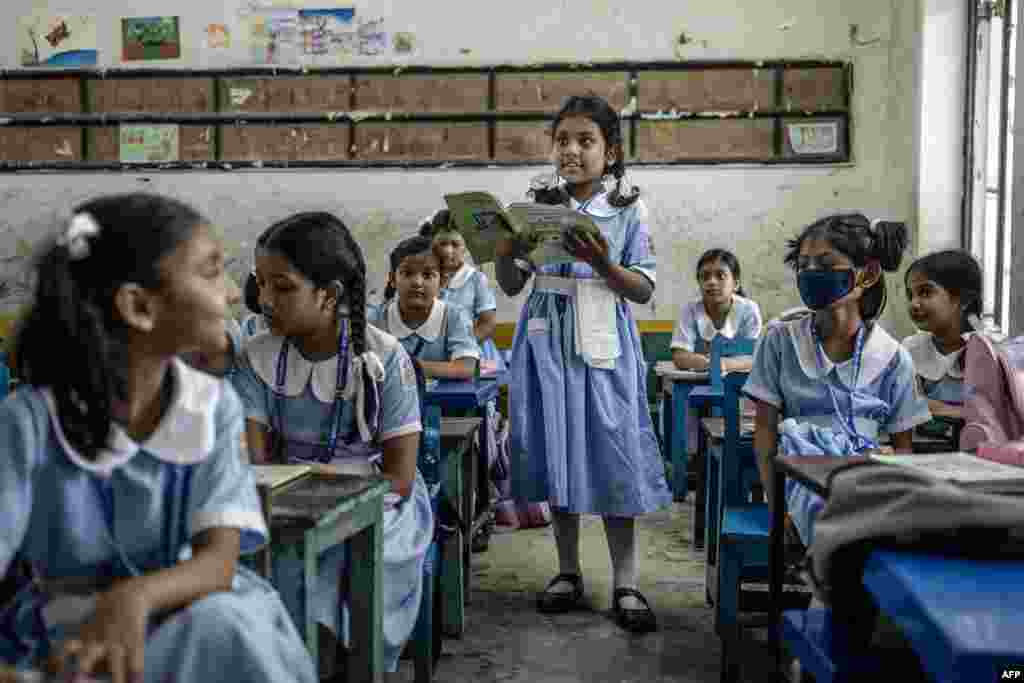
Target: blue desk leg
680, 485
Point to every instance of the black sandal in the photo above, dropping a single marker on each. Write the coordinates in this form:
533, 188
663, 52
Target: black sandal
556, 603
633, 620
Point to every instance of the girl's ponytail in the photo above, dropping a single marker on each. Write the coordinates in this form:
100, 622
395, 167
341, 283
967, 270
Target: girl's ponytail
83, 375
889, 241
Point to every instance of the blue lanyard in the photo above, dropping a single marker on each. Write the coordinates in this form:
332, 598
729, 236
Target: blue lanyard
847, 417
340, 382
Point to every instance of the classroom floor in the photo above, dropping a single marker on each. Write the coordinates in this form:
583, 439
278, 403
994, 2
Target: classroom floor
508, 640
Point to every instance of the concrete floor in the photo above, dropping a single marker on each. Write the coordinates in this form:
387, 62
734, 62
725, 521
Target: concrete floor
508, 640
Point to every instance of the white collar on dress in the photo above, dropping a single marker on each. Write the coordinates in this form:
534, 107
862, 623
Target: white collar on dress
185, 436
460, 277
429, 331
929, 362
597, 206
264, 350
879, 348
706, 326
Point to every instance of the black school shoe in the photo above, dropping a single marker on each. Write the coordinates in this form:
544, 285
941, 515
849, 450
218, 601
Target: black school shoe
633, 620
549, 602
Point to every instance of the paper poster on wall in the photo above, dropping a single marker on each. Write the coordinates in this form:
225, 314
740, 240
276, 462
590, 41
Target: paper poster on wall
373, 40
274, 36
814, 138
57, 40
218, 37
150, 38
328, 32
148, 143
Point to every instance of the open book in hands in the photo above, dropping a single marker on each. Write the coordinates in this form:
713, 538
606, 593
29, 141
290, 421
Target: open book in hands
541, 229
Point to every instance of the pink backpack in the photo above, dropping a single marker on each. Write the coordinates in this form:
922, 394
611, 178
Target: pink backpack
994, 399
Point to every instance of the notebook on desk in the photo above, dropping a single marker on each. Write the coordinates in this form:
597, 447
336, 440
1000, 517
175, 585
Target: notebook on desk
276, 476
960, 468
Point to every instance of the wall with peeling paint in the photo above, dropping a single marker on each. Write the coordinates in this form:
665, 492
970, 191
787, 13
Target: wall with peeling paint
749, 209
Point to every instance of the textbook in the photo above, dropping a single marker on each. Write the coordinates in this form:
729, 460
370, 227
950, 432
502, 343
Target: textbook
482, 221
276, 476
964, 469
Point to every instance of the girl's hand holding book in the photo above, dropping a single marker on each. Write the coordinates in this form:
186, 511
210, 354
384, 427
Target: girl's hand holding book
509, 247
590, 248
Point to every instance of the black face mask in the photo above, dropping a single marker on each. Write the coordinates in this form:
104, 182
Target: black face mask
821, 288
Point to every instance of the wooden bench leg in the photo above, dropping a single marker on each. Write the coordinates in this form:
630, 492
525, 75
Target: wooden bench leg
452, 555
365, 614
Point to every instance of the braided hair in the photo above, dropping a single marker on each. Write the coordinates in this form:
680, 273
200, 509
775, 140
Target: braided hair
606, 118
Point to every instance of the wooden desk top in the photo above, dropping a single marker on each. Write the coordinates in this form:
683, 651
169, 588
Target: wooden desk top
307, 500
813, 470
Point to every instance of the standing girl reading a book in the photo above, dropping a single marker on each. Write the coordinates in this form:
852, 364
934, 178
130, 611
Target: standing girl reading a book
121, 481
943, 294
324, 387
435, 334
582, 436
834, 374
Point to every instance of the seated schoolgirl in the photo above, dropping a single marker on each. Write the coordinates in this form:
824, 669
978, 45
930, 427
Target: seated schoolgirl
121, 482
722, 310
436, 334
943, 295
835, 375
323, 387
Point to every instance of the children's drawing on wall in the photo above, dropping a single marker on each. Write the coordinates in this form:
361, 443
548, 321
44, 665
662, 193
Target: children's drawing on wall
274, 36
328, 32
150, 38
57, 40
147, 144
373, 41
404, 42
218, 37
813, 138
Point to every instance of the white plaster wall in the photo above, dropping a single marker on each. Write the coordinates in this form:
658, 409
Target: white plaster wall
942, 92
750, 209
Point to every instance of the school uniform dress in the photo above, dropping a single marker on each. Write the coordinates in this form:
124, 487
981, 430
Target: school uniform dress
581, 433
469, 288
301, 410
446, 334
792, 373
941, 376
134, 510
695, 331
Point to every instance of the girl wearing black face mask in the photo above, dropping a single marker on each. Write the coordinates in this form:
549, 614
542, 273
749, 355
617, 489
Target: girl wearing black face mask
838, 378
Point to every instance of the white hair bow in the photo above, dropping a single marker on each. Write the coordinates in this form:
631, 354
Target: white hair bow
75, 238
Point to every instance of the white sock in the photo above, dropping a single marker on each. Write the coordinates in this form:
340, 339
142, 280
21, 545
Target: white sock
566, 526
624, 550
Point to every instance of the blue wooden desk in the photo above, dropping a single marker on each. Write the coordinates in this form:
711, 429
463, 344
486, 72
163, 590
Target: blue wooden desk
682, 382
463, 394
460, 396
963, 617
